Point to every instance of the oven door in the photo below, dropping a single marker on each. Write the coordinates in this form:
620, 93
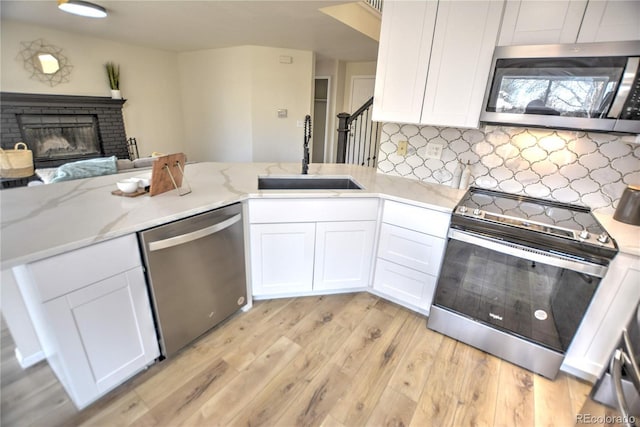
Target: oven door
518, 290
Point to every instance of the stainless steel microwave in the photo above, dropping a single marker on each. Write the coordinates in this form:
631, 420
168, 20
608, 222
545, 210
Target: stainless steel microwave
590, 86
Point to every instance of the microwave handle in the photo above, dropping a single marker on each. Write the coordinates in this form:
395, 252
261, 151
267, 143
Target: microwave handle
622, 93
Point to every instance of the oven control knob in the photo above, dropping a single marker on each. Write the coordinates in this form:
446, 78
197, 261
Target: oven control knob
603, 238
476, 211
463, 209
584, 234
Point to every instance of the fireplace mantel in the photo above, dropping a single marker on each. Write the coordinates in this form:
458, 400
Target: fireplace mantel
40, 99
106, 111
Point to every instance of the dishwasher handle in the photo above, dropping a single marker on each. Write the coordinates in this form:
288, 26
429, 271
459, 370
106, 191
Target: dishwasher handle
194, 235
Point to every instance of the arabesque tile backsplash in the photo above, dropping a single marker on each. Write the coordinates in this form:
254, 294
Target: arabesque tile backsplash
590, 169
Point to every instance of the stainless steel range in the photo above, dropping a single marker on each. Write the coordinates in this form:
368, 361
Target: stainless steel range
518, 275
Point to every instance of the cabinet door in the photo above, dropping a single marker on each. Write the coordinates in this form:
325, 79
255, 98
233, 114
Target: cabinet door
412, 249
282, 258
463, 43
608, 21
104, 333
541, 22
343, 254
403, 59
612, 306
404, 285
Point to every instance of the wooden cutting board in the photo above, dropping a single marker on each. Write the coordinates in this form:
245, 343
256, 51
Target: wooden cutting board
162, 167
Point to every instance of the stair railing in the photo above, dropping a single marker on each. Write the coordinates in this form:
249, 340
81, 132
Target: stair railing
358, 137
376, 4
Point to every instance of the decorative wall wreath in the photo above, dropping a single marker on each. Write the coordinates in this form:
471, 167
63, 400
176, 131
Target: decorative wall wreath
45, 62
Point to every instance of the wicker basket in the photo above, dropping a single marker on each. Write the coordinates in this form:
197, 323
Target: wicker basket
16, 163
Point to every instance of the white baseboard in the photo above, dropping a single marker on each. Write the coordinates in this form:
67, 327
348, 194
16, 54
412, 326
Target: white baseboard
30, 360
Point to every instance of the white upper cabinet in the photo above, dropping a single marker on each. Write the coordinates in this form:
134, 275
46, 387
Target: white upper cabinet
610, 20
433, 61
463, 43
541, 22
406, 36
569, 21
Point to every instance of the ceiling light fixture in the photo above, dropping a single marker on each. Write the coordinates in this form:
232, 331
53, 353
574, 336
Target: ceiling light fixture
82, 8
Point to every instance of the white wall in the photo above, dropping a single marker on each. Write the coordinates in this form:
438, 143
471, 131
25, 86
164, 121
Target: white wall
231, 98
280, 86
216, 103
149, 79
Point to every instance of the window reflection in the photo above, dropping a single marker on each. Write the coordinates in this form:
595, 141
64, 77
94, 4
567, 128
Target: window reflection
542, 86
47, 63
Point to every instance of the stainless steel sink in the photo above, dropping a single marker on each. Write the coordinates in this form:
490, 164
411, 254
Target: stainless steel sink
305, 182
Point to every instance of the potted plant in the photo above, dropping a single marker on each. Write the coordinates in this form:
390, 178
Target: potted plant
113, 72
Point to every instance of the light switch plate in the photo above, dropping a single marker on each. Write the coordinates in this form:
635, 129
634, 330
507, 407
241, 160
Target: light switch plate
434, 150
402, 148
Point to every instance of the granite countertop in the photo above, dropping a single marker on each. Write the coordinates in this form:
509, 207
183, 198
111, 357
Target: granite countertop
42, 221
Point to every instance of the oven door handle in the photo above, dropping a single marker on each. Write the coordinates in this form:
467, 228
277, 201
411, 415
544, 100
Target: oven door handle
528, 253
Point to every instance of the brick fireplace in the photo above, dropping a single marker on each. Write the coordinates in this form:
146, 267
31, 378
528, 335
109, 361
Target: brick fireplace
62, 128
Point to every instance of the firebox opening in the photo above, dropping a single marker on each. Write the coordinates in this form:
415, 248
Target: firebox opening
57, 137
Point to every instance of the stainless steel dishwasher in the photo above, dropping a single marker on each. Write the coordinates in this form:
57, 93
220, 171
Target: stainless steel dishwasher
196, 271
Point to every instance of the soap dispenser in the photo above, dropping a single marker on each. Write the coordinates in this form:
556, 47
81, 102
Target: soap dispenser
457, 173
464, 178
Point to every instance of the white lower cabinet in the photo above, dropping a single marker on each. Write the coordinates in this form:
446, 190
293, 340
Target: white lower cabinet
306, 246
409, 259
612, 307
404, 285
282, 258
344, 252
94, 322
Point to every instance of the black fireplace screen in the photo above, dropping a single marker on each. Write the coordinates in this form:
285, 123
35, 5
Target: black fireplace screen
53, 137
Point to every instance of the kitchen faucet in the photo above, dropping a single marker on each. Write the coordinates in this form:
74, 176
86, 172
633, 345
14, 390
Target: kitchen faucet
307, 137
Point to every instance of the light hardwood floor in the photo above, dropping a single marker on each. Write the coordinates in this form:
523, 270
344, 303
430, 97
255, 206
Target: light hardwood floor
340, 360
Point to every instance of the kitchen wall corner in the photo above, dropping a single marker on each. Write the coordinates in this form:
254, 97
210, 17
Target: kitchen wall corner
589, 169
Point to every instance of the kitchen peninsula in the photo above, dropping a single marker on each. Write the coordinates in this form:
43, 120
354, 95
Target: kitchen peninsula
52, 220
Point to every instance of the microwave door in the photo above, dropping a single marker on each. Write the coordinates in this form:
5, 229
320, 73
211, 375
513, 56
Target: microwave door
585, 87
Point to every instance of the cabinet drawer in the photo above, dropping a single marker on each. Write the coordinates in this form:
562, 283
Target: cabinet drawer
312, 210
411, 249
73, 270
419, 219
404, 284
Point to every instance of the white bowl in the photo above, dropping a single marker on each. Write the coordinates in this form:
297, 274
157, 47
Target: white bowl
128, 185
143, 180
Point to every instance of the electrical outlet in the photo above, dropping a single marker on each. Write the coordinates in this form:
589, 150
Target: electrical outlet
434, 150
402, 148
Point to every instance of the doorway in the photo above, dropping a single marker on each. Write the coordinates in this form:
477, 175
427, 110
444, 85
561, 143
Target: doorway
361, 90
320, 119
362, 144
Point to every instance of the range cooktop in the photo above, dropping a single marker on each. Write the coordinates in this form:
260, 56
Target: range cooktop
539, 220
